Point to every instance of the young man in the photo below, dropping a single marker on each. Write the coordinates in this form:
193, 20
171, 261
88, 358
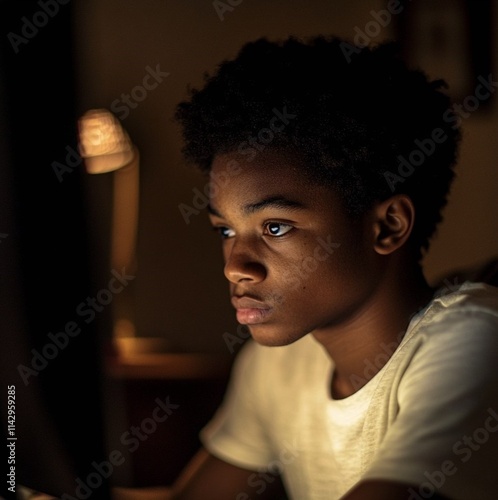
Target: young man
329, 166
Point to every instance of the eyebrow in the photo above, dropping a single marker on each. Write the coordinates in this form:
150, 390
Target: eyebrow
280, 202
273, 202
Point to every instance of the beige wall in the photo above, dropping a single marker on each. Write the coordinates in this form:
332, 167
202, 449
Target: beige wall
180, 293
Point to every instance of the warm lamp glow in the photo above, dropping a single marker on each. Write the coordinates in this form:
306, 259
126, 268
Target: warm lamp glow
106, 147
103, 143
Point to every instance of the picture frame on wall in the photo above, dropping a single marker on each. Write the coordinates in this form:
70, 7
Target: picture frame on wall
451, 40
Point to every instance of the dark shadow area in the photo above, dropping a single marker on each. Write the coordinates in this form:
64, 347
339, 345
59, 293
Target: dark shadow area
49, 352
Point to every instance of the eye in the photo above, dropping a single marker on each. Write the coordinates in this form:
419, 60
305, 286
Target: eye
276, 228
224, 232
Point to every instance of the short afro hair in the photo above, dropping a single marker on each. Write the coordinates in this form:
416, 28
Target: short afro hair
365, 122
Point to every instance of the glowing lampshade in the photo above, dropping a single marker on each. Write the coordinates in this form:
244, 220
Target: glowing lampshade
103, 143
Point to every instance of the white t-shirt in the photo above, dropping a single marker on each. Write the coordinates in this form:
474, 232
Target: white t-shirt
429, 417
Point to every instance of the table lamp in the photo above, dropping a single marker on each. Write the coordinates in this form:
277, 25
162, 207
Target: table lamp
106, 148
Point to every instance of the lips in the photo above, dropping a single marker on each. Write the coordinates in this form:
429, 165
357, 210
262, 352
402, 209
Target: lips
250, 311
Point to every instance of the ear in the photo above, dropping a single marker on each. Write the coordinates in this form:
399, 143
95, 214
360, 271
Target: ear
393, 223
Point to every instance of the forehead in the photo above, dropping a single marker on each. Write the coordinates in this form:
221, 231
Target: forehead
268, 174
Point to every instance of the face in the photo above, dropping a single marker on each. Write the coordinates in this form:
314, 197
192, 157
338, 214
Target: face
296, 263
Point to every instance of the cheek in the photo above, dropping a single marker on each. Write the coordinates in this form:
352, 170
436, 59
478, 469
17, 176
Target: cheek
320, 275
309, 275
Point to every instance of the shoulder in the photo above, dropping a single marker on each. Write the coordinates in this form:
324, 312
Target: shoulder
467, 313
468, 298
453, 344
443, 392
449, 352
464, 316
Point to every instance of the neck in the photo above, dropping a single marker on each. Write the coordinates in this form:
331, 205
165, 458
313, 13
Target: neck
362, 344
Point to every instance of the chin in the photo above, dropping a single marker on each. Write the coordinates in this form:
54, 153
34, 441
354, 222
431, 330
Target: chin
274, 336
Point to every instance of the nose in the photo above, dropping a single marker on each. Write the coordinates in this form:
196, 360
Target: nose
243, 264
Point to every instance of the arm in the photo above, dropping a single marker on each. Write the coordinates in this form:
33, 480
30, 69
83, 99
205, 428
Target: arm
236, 433
209, 478
237, 423
386, 490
